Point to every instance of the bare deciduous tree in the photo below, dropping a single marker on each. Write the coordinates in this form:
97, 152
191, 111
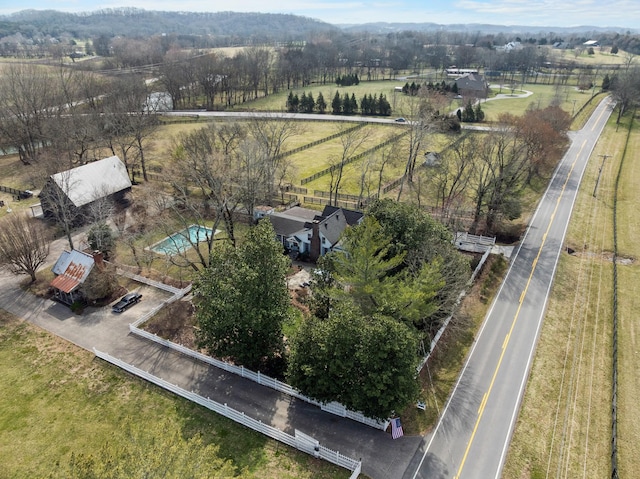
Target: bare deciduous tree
423, 111
352, 140
29, 99
271, 134
24, 244
130, 119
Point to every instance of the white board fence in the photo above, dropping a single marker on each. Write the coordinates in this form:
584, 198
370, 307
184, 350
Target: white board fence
300, 441
262, 379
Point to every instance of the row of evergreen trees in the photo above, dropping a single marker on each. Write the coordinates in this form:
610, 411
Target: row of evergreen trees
340, 105
444, 87
470, 114
347, 80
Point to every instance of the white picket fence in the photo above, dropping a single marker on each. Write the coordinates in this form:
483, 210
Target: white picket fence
262, 379
333, 407
300, 441
445, 324
156, 284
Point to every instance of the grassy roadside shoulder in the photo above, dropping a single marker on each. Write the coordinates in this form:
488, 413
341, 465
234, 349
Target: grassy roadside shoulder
628, 306
58, 399
564, 427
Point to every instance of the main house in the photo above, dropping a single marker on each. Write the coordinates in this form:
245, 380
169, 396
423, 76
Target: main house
311, 235
78, 188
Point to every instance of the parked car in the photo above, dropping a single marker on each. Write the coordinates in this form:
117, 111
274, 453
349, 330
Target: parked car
127, 300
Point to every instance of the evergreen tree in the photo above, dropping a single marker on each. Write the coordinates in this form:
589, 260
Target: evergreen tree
302, 106
242, 301
367, 363
353, 104
293, 102
479, 114
321, 105
469, 115
290, 102
384, 107
364, 106
346, 104
311, 104
336, 104
373, 104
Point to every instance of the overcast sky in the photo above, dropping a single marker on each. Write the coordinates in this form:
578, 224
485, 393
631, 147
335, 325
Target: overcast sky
548, 13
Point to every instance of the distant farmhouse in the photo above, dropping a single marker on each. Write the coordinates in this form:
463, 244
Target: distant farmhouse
472, 85
306, 233
511, 46
78, 188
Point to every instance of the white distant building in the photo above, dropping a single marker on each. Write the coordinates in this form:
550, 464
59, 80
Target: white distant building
510, 47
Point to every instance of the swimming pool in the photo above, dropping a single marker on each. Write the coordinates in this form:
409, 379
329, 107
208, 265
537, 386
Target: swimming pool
182, 240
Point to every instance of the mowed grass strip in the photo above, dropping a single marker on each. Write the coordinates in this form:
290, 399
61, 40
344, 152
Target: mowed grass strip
58, 399
564, 427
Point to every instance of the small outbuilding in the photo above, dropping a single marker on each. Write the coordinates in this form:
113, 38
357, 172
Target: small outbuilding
72, 269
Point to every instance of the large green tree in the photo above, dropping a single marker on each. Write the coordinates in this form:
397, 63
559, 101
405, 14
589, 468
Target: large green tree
242, 300
367, 270
367, 363
424, 241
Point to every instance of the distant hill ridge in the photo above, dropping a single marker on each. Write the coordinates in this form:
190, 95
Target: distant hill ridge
136, 22
260, 27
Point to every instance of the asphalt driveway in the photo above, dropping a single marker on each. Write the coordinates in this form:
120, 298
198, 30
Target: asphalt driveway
382, 457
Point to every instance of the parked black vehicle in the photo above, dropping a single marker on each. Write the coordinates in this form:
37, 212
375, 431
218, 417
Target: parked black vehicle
126, 301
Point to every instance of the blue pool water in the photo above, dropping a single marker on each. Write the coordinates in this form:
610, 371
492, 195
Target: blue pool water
181, 241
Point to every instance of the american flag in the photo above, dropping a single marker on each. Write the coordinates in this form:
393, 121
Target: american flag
396, 428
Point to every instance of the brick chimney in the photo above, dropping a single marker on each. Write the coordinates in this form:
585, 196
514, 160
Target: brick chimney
314, 249
98, 258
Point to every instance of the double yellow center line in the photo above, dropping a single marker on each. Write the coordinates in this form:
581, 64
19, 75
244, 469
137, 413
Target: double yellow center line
515, 319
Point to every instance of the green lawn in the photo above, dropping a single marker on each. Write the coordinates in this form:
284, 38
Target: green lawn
543, 96
58, 399
278, 102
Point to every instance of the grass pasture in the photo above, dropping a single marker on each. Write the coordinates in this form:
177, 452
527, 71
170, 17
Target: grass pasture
63, 400
278, 102
564, 428
628, 306
543, 96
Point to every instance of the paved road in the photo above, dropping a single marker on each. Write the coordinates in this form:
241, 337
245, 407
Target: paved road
473, 434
